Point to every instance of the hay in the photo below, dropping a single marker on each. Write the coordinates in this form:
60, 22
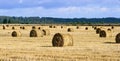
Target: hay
102, 33
16, 34
70, 30
60, 40
39, 28
33, 27
108, 29
46, 32
35, 33
50, 26
117, 38
98, 30
61, 26
86, 28
112, 27
77, 27
95, 28
3, 27
13, 28
23, 27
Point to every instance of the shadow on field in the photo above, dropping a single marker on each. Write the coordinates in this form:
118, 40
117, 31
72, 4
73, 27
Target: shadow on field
46, 46
110, 43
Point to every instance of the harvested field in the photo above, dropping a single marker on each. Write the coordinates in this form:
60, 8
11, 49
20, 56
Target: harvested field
87, 45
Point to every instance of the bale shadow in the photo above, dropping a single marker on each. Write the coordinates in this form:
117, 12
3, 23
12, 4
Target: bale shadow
111, 43
46, 46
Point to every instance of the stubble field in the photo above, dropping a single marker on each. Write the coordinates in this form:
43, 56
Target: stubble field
88, 46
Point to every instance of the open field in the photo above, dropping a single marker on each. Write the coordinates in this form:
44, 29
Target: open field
88, 46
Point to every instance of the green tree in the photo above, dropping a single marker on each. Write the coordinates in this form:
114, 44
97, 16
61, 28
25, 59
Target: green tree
5, 21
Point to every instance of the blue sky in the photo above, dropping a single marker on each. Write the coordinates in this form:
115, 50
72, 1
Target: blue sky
61, 8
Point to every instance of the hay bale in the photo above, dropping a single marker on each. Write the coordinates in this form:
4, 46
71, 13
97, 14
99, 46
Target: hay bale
13, 28
98, 30
108, 29
105, 33
16, 34
77, 27
70, 30
102, 33
95, 28
33, 27
46, 32
35, 33
60, 40
61, 26
23, 27
112, 27
117, 38
54, 26
39, 28
50, 26
3, 27
7, 25
86, 28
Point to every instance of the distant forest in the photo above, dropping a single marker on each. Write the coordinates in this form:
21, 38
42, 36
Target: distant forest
51, 20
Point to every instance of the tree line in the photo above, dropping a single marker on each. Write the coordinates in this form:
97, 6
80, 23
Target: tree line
51, 20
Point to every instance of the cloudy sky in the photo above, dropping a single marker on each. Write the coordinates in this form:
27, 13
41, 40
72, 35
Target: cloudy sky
61, 8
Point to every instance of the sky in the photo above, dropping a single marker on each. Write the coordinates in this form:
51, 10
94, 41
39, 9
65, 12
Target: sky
61, 8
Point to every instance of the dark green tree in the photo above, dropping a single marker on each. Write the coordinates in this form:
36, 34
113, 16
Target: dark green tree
5, 21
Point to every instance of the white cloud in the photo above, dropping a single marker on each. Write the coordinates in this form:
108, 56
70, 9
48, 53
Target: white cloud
63, 12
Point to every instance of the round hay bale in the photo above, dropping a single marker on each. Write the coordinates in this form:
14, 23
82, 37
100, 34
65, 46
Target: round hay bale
46, 32
102, 33
86, 28
108, 29
3, 27
50, 26
16, 34
70, 30
20, 27
54, 26
33, 27
60, 40
98, 30
35, 33
7, 25
117, 38
13, 28
77, 27
112, 27
23, 27
95, 28
39, 28
61, 26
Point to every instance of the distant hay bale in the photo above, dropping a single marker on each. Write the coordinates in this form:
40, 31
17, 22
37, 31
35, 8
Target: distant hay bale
102, 33
35, 33
108, 29
54, 26
70, 30
39, 28
98, 30
95, 28
23, 27
20, 27
16, 34
60, 40
61, 26
86, 28
50, 26
77, 27
3, 27
46, 32
112, 27
7, 25
13, 28
33, 27
117, 38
